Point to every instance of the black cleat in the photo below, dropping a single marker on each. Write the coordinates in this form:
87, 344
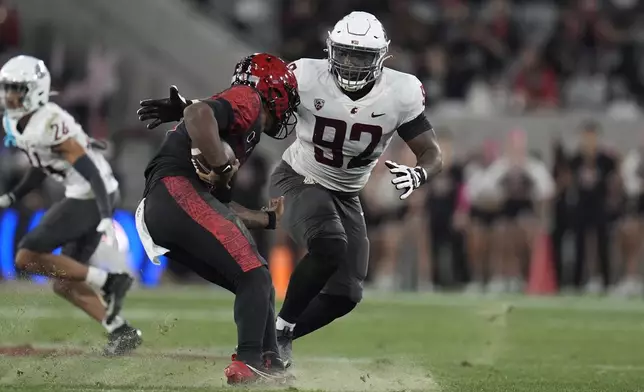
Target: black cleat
122, 341
285, 345
114, 290
276, 368
274, 365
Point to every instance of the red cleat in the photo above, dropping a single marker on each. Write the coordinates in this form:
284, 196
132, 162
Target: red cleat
239, 373
272, 371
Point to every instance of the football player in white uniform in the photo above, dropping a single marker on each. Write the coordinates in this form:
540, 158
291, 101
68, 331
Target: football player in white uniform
351, 107
57, 147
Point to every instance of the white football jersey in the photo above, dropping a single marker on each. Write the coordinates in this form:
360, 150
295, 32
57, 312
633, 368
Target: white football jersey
50, 126
340, 140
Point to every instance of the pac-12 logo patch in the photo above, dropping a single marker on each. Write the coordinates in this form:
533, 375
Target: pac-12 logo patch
318, 103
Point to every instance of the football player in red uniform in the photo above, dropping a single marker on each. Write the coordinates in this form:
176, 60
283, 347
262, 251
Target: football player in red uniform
181, 217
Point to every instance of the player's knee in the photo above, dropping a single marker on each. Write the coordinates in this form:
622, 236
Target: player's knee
258, 278
330, 251
26, 258
62, 288
340, 305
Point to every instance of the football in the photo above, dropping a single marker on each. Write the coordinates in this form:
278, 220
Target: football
201, 164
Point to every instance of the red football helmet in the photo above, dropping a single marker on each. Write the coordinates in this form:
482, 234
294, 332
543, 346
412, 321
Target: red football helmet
277, 85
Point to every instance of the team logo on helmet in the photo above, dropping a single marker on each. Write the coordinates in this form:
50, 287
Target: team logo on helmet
318, 103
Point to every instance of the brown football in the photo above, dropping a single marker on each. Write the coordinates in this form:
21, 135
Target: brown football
200, 163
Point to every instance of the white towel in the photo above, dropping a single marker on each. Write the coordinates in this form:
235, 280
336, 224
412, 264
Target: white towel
151, 249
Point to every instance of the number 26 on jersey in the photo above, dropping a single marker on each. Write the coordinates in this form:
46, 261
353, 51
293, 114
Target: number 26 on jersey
59, 130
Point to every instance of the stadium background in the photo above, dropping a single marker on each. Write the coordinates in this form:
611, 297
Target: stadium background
489, 68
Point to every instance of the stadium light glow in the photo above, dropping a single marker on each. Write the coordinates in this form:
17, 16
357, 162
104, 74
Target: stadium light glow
150, 274
9, 224
35, 219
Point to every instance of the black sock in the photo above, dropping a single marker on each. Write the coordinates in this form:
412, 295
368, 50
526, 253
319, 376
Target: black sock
270, 336
310, 276
251, 312
323, 309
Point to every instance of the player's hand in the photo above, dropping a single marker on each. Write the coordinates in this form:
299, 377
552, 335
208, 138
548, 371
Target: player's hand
277, 205
208, 178
7, 200
163, 110
106, 226
212, 178
222, 180
408, 179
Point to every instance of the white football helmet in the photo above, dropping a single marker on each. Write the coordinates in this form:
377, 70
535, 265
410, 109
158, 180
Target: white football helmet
29, 77
357, 48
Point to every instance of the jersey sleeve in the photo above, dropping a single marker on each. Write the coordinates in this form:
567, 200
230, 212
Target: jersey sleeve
223, 111
245, 105
412, 99
57, 128
415, 127
298, 68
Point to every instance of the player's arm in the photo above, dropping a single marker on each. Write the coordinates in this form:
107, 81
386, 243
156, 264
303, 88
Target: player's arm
421, 139
74, 153
30, 181
251, 218
200, 120
265, 219
419, 135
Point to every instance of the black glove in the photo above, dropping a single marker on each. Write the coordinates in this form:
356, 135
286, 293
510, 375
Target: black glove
163, 110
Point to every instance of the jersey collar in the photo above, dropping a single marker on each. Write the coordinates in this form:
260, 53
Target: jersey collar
375, 92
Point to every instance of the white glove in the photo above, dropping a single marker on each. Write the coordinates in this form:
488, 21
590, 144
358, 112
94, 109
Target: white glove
106, 226
407, 178
7, 200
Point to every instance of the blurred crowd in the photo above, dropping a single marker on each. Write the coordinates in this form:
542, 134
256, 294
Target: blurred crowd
476, 226
498, 55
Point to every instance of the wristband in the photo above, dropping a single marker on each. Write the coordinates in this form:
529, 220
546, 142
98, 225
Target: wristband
422, 175
272, 220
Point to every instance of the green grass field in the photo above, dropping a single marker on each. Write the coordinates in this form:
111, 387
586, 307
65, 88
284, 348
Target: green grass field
402, 342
